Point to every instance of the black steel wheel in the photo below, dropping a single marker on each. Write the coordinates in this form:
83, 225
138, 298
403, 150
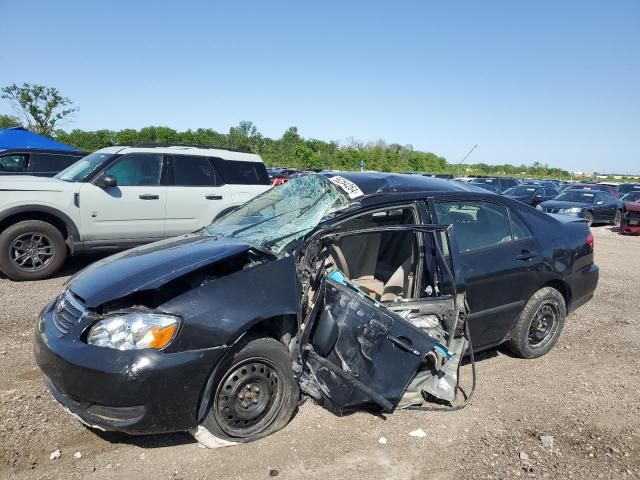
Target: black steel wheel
539, 325
31, 250
543, 324
254, 394
248, 398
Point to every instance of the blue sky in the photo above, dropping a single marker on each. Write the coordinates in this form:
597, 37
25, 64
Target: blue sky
554, 82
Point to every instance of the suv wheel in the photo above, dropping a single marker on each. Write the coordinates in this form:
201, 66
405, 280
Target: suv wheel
589, 218
539, 325
254, 394
618, 218
31, 250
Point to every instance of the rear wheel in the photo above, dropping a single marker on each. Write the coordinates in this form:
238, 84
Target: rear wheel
618, 219
539, 325
589, 218
254, 393
31, 250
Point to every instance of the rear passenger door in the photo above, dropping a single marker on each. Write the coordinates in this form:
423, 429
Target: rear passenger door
196, 194
498, 260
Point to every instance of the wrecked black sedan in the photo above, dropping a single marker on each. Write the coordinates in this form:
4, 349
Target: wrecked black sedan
358, 290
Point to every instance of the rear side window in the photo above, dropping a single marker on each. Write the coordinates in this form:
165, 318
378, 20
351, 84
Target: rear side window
13, 163
192, 171
50, 162
242, 173
476, 224
519, 228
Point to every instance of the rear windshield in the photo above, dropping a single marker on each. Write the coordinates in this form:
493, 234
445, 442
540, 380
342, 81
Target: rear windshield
580, 196
518, 191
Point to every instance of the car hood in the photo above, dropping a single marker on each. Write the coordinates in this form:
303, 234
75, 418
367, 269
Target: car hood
150, 266
29, 183
563, 204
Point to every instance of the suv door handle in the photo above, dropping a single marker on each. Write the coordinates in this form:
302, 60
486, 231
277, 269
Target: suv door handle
149, 196
213, 197
526, 255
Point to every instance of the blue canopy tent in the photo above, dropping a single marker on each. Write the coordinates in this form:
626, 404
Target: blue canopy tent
18, 137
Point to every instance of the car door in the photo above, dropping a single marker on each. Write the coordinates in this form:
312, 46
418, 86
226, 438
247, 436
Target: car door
196, 194
355, 351
611, 206
497, 257
132, 210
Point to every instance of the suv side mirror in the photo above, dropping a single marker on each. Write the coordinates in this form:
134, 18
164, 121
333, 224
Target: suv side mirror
106, 181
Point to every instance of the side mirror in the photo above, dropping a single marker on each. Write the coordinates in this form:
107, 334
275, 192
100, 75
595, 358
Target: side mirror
106, 181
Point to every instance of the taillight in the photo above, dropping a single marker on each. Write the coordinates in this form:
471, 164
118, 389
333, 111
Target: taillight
590, 240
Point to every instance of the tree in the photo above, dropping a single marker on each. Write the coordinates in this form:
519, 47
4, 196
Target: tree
41, 108
7, 121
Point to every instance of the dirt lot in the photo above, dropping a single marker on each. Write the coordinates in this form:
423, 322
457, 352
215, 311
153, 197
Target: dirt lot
585, 394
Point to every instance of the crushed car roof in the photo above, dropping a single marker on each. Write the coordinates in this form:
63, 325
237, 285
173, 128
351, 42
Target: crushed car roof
372, 183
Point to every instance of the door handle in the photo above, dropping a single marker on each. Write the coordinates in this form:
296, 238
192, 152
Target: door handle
526, 255
403, 345
148, 196
213, 197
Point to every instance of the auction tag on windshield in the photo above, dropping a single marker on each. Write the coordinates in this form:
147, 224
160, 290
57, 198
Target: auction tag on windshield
351, 189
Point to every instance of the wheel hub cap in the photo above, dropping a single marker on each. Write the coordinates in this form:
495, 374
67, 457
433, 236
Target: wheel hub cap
31, 251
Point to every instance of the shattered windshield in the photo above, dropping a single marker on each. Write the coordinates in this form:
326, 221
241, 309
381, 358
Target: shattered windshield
282, 214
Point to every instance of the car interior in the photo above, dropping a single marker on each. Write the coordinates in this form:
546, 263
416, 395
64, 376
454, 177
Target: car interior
383, 264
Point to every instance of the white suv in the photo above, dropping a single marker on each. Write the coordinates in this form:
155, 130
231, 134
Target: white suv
119, 197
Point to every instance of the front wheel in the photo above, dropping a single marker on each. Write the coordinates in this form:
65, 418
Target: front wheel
31, 250
539, 325
255, 394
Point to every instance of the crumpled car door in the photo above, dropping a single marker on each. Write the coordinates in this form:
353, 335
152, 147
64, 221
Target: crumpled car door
355, 352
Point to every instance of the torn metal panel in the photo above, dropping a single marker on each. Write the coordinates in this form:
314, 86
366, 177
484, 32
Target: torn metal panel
371, 345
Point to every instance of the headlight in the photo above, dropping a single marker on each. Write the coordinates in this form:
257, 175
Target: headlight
133, 331
573, 210
539, 207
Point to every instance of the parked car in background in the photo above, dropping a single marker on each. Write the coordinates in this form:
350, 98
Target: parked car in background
367, 278
630, 197
485, 186
502, 183
601, 188
592, 205
625, 188
37, 162
630, 221
119, 197
530, 194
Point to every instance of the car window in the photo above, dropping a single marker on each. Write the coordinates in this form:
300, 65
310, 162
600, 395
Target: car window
242, 173
51, 162
137, 170
13, 163
519, 228
600, 197
476, 224
194, 171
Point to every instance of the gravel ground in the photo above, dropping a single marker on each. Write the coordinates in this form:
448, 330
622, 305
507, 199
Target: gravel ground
585, 394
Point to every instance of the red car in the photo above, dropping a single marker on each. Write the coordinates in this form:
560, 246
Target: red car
630, 222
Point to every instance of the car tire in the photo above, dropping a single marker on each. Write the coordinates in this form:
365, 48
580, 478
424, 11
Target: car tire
589, 218
37, 245
539, 325
254, 394
617, 219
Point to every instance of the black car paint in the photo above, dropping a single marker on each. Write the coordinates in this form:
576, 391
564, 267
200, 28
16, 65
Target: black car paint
172, 384
604, 212
538, 195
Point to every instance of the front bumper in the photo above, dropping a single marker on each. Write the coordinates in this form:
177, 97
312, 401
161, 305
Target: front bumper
137, 392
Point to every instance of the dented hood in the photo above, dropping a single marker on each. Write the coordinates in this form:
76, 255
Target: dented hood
150, 266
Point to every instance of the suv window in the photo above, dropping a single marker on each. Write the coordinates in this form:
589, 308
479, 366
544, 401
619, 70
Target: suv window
476, 224
242, 173
13, 163
51, 162
137, 170
194, 171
